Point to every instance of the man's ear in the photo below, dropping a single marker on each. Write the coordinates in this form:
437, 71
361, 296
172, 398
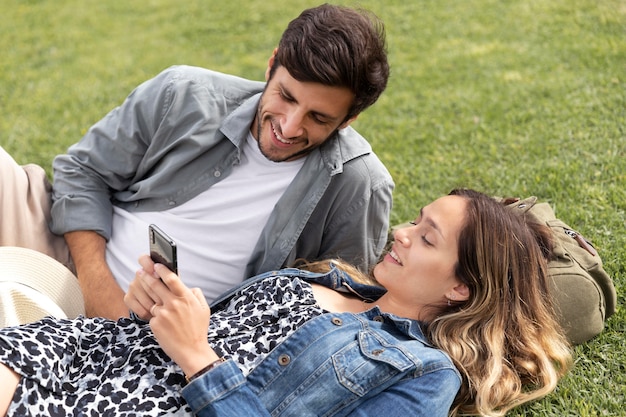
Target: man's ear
270, 63
347, 122
460, 292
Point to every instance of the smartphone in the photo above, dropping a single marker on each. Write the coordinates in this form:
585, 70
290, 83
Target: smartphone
162, 248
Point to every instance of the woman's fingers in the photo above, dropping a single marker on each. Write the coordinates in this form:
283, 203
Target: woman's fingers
155, 286
180, 324
197, 292
172, 282
142, 295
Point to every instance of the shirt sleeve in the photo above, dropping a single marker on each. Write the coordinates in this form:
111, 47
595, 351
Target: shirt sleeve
223, 392
358, 230
116, 153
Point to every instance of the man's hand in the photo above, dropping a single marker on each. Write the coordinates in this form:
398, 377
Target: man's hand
103, 296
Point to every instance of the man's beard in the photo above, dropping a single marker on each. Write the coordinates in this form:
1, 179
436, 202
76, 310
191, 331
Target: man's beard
300, 153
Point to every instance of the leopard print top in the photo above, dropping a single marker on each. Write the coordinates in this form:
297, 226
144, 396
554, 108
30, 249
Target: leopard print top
101, 367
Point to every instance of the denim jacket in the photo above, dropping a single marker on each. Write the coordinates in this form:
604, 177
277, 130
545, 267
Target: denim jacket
181, 132
337, 364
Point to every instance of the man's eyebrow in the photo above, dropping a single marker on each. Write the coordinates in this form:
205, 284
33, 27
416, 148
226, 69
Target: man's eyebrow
285, 91
431, 222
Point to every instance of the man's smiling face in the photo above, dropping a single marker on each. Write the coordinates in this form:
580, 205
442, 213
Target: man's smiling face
294, 117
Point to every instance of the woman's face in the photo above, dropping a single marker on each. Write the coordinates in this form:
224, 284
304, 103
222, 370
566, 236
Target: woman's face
418, 271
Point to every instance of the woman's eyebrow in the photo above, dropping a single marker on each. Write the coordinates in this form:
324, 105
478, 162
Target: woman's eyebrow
431, 222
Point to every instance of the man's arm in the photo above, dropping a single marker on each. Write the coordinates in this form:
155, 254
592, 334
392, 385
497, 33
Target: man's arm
103, 296
107, 160
357, 231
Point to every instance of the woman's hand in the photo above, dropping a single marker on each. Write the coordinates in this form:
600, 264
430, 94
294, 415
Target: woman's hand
179, 316
140, 297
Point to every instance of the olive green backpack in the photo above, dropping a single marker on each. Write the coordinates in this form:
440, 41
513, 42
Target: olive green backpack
584, 293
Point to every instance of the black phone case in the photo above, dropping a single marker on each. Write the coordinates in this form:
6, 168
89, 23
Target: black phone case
163, 248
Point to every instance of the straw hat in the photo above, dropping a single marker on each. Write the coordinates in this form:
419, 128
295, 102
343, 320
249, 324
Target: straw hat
34, 285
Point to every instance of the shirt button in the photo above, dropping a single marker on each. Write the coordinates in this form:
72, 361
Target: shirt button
284, 359
336, 321
217, 174
171, 203
379, 319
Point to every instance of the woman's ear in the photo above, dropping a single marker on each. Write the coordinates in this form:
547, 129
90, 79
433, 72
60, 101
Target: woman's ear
460, 292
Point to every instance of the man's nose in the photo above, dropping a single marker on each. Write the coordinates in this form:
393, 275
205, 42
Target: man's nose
292, 125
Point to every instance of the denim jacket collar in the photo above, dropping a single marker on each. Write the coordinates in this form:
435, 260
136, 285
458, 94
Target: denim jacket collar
341, 282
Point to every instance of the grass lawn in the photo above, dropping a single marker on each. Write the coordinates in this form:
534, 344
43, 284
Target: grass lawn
508, 97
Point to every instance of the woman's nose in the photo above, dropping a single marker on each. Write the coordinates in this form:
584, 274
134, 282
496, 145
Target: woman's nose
402, 236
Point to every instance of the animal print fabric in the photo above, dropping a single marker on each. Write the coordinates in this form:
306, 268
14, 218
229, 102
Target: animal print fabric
99, 367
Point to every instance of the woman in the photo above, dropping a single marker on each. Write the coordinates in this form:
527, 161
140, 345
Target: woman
463, 324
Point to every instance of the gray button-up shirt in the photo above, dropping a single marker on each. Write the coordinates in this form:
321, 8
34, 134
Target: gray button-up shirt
179, 133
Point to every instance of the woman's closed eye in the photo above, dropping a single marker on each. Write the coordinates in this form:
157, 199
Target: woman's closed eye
423, 237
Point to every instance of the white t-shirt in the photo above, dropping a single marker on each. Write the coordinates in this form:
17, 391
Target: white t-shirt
215, 232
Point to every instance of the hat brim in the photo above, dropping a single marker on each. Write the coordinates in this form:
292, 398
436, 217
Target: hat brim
34, 285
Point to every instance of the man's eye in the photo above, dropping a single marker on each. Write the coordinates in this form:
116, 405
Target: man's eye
426, 241
319, 121
285, 96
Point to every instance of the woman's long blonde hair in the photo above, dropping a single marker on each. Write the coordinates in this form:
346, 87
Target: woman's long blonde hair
505, 339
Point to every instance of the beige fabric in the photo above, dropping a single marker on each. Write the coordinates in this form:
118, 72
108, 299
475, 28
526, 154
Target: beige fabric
33, 285
25, 200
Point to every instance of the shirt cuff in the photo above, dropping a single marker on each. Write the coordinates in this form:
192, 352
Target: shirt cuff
213, 385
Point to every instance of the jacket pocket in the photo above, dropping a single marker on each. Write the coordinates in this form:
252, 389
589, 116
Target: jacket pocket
369, 363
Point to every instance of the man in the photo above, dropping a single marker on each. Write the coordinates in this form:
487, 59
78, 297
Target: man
245, 176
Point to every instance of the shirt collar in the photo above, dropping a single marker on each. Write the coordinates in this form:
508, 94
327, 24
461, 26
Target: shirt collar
345, 145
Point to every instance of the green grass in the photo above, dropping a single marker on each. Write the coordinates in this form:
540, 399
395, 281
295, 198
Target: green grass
509, 97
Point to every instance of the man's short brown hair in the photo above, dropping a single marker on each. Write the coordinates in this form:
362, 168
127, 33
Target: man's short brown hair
339, 47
